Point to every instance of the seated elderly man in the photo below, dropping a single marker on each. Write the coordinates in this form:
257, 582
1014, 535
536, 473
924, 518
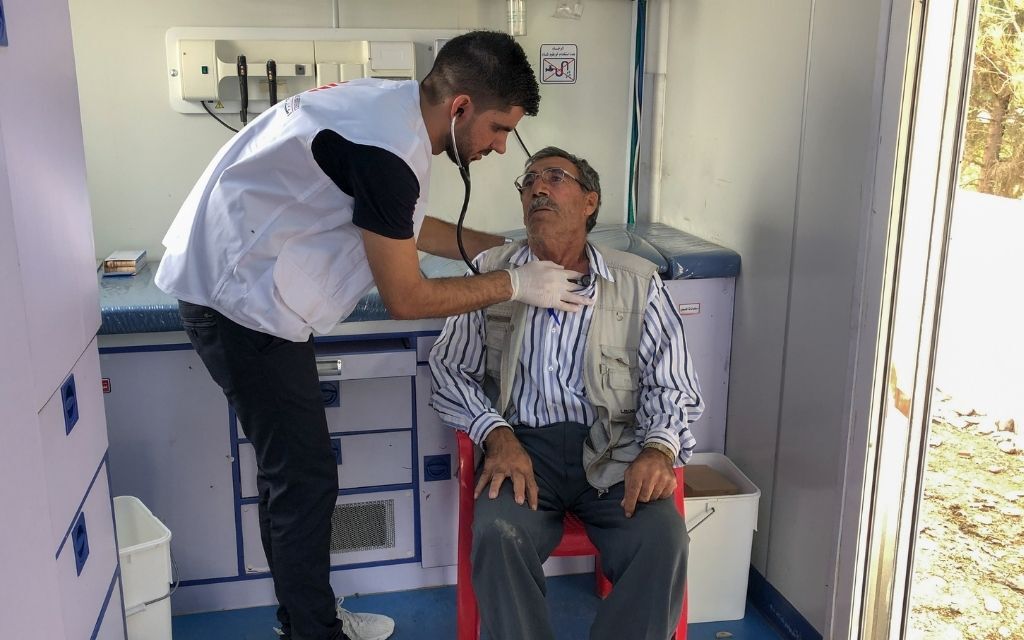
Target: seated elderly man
582, 412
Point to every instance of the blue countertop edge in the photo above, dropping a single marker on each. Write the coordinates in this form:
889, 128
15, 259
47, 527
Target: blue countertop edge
134, 304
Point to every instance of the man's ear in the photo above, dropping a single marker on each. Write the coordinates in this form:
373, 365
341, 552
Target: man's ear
591, 199
461, 105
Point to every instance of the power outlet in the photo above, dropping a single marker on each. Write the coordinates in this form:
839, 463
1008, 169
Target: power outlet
3, 26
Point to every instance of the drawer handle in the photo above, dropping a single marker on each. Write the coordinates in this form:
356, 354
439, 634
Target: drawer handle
699, 520
437, 467
330, 393
80, 540
329, 367
336, 448
69, 397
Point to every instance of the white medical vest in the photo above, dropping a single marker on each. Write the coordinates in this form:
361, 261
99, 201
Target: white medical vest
266, 237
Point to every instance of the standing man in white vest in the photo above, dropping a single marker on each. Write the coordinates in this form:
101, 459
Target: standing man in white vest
585, 413
293, 221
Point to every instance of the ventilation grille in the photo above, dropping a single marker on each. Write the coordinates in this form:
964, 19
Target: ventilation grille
363, 526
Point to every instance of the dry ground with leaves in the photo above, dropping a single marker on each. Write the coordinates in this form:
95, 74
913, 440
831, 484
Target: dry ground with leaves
969, 565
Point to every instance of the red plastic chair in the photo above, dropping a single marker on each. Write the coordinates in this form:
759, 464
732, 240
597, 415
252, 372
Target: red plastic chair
574, 543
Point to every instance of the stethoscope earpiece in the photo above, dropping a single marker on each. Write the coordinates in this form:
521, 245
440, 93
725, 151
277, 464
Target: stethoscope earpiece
455, 145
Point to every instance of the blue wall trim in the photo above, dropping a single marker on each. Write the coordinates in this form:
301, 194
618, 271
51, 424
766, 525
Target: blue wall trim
266, 576
342, 434
417, 546
150, 348
774, 606
106, 603
117, 545
236, 480
354, 491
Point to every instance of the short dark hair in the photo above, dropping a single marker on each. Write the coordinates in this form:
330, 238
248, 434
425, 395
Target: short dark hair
588, 177
488, 66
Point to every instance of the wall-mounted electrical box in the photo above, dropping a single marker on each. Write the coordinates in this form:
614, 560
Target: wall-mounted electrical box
198, 68
203, 62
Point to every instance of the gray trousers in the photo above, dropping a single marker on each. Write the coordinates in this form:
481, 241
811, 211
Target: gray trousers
644, 556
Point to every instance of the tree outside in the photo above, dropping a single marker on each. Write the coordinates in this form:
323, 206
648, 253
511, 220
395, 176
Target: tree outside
993, 159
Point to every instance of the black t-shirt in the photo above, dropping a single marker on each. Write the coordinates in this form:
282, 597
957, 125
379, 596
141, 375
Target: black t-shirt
383, 186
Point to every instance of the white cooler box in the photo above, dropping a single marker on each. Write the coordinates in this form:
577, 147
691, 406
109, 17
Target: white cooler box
721, 532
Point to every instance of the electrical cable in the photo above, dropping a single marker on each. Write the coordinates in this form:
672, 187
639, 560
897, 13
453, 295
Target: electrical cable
214, 116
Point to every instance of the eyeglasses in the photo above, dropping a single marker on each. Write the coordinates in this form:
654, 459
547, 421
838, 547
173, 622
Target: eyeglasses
551, 175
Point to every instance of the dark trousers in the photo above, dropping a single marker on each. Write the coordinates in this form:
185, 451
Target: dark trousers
272, 385
644, 556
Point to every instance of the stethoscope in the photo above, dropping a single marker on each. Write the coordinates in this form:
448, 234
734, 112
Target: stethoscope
464, 172
583, 281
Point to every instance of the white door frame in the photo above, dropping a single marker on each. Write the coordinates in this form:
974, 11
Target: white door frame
924, 70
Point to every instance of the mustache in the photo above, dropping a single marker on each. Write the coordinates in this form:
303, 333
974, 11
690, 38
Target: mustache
542, 202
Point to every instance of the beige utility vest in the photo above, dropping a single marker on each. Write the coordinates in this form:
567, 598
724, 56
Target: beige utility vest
611, 372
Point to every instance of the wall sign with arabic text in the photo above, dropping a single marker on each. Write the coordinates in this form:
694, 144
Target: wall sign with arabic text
558, 63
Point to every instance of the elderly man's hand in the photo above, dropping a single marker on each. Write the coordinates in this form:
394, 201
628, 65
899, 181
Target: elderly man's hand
649, 477
506, 458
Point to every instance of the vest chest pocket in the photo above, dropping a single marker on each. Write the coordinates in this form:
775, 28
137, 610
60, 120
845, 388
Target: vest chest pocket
495, 340
619, 381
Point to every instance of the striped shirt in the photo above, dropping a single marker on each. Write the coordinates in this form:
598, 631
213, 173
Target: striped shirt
548, 385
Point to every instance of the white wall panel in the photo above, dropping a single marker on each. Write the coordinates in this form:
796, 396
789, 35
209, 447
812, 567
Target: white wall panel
836, 155
143, 157
29, 579
732, 132
768, 147
46, 167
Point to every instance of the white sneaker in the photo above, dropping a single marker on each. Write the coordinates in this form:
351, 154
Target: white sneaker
365, 626
361, 626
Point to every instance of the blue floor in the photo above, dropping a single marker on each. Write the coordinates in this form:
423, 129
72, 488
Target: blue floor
429, 614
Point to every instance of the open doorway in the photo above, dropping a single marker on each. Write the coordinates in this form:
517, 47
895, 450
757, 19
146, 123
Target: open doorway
938, 472
968, 570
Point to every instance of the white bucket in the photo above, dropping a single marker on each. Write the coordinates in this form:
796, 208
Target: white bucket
721, 532
144, 546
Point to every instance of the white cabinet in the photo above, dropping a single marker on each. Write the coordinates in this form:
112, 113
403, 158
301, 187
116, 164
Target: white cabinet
87, 562
74, 435
364, 460
439, 488
28, 583
170, 446
176, 445
365, 528
57, 544
706, 307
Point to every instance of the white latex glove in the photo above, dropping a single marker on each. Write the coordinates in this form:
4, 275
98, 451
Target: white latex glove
545, 284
